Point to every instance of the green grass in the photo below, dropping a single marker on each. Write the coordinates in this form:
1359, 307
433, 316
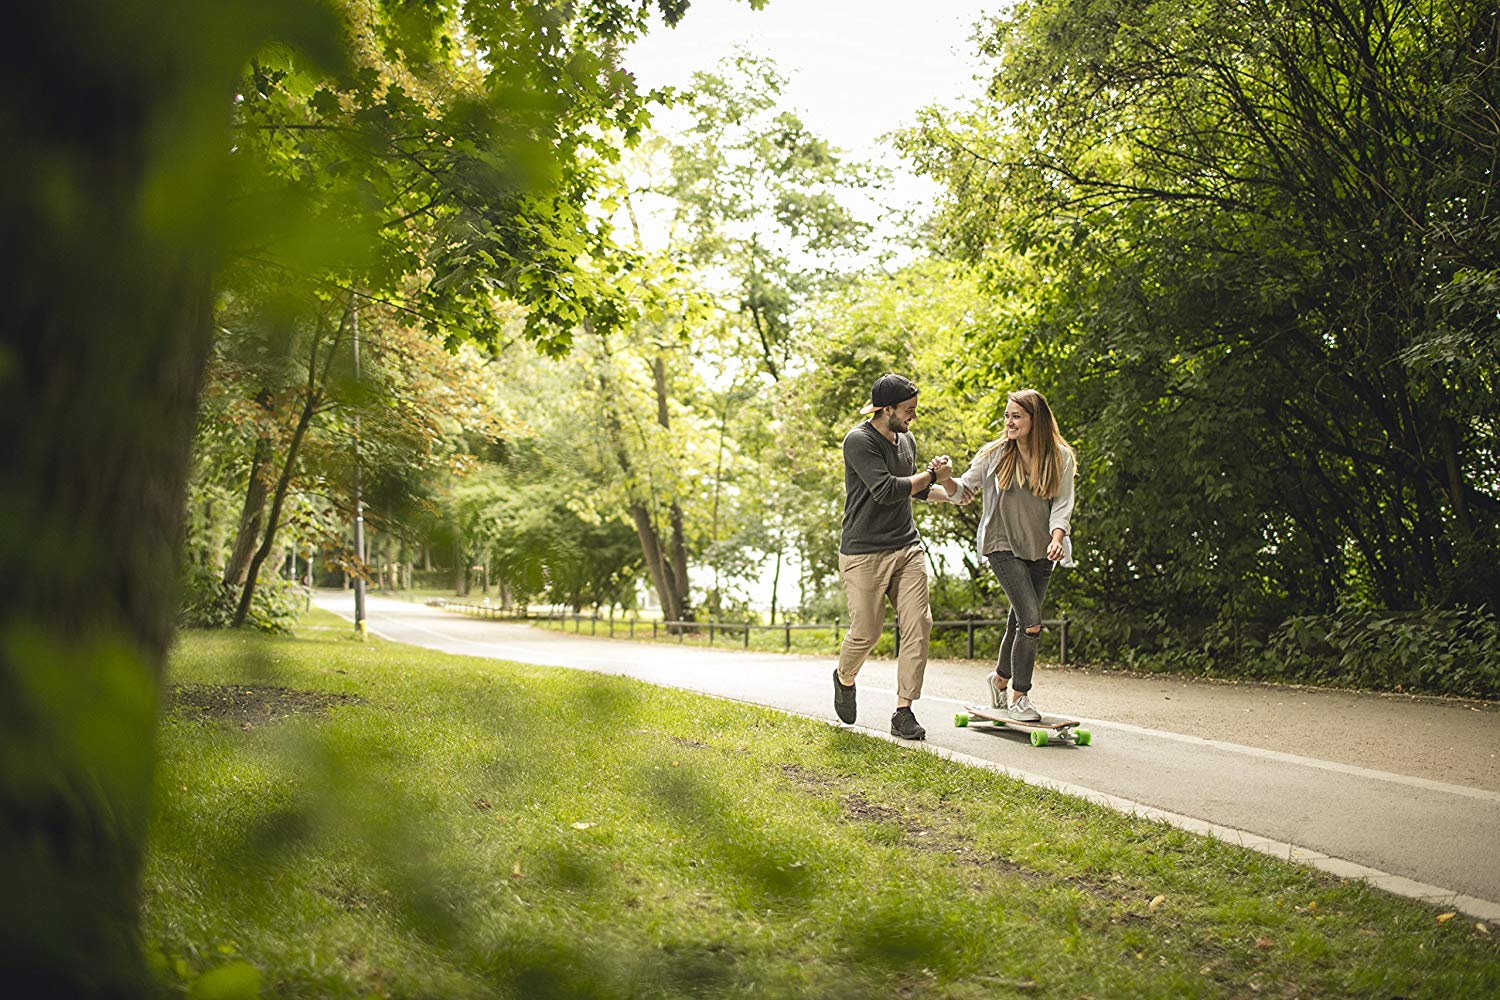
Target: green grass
455, 827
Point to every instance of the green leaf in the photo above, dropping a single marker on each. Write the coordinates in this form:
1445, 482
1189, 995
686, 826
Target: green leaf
325, 102
235, 981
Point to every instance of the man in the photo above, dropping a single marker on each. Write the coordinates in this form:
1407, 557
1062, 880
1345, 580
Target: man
880, 552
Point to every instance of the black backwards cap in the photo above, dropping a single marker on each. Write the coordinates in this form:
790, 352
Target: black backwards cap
890, 390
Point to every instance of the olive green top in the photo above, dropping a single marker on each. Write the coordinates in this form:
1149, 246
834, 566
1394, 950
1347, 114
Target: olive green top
1016, 520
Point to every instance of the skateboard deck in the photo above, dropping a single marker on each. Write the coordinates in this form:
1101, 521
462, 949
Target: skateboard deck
1042, 733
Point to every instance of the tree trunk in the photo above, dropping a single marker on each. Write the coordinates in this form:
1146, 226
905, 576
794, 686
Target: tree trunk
766, 352
776, 582
98, 392
1453, 480
713, 534
679, 563
252, 512
312, 399
663, 575
460, 573
658, 566
659, 379
273, 520
678, 577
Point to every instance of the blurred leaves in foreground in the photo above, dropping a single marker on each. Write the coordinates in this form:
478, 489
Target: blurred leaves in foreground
164, 162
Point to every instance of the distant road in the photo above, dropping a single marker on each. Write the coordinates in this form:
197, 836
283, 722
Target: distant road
1405, 793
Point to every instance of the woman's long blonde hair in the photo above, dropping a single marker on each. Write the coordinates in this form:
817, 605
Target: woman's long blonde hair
1049, 449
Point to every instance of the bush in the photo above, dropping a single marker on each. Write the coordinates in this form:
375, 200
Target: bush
207, 602
1453, 651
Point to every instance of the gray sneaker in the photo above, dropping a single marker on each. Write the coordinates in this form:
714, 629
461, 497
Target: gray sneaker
997, 690
1023, 710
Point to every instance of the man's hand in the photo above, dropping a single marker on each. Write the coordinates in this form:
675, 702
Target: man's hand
941, 468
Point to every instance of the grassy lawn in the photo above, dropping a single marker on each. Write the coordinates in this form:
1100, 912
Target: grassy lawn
344, 818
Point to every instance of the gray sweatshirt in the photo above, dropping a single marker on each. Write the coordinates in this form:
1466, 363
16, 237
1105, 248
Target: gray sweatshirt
1016, 520
877, 491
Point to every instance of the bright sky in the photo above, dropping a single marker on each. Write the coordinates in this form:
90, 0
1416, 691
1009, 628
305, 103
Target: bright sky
857, 68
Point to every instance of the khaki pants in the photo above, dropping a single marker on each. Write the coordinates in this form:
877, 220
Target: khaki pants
900, 574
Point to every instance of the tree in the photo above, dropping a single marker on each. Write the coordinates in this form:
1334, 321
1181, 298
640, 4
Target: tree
294, 419
756, 203
1250, 229
651, 463
116, 124
751, 205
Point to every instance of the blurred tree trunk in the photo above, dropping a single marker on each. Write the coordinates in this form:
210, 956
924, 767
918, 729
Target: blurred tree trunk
776, 581
115, 144
460, 570
313, 396
99, 396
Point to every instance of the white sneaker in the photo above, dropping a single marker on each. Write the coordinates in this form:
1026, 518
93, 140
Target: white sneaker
1022, 710
997, 690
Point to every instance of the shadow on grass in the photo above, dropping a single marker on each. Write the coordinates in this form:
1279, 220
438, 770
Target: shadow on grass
770, 861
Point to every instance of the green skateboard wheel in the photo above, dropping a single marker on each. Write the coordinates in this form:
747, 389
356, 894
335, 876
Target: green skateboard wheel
960, 720
1083, 737
1039, 737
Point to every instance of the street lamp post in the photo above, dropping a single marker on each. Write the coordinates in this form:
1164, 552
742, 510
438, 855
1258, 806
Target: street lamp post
359, 505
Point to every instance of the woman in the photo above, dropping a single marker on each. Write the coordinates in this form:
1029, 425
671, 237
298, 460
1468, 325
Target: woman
1026, 480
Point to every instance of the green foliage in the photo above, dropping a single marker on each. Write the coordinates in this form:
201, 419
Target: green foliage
539, 546
1447, 651
1241, 244
442, 176
232, 981
761, 202
918, 321
208, 602
1442, 651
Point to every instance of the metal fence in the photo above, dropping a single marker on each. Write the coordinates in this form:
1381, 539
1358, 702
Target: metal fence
730, 630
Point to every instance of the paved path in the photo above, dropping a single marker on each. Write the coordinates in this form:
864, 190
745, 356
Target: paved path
1403, 792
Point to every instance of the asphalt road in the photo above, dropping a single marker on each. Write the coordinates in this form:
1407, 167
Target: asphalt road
1402, 792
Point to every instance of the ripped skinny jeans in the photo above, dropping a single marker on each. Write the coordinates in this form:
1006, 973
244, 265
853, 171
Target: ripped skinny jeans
1025, 584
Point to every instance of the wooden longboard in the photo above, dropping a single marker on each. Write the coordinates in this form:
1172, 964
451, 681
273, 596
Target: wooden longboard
1042, 732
